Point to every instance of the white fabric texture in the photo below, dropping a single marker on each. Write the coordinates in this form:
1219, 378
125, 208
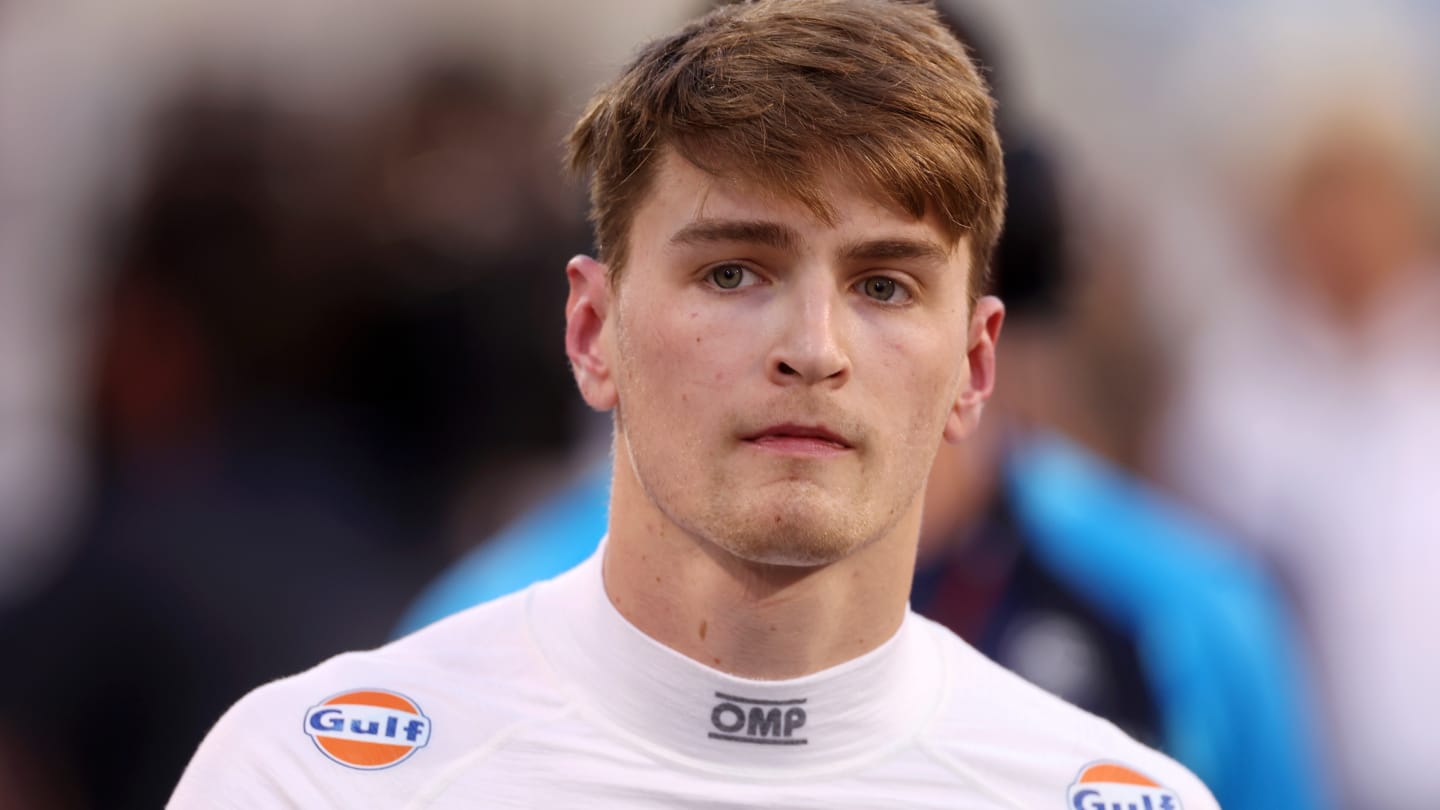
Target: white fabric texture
549, 698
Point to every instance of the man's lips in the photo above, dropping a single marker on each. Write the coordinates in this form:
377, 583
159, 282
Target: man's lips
792, 439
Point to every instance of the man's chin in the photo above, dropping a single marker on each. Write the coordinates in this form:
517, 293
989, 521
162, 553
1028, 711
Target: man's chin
792, 537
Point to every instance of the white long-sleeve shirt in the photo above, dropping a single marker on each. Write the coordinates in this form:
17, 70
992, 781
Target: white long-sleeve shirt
550, 698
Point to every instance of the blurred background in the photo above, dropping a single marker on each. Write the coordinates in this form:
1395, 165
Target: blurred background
281, 332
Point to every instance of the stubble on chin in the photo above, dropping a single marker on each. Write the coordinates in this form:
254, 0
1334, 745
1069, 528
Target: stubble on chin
794, 523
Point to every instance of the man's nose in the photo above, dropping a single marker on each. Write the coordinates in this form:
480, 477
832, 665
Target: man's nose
810, 349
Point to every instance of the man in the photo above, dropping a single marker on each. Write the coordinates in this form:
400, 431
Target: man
794, 203
1051, 562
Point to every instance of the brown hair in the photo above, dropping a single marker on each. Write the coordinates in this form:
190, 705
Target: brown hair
782, 91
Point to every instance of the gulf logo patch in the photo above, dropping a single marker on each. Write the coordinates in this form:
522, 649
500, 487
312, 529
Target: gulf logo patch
368, 729
1112, 786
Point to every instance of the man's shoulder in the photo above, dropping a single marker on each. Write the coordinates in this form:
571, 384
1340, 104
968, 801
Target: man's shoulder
481, 662
1032, 747
407, 707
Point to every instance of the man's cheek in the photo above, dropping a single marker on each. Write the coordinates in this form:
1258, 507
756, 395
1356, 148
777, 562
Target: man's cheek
703, 363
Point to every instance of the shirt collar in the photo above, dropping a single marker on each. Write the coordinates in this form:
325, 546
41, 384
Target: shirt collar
681, 709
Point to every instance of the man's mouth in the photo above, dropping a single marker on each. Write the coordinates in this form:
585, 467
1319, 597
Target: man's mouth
803, 440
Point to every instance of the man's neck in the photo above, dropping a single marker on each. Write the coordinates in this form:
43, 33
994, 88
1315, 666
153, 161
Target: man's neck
752, 620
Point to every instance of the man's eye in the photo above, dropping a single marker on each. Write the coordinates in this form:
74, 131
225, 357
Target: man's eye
885, 289
728, 276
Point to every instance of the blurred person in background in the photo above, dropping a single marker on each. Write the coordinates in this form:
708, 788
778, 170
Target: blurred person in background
1305, 412
295, 403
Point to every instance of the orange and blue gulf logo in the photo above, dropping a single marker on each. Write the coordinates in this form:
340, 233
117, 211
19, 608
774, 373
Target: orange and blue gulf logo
1111, 786
368, 729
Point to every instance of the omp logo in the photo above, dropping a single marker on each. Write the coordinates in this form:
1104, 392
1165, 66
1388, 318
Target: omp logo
368, 729
1110, 786
751, 720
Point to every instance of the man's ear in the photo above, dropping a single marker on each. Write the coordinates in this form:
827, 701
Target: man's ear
586, 313
985, 322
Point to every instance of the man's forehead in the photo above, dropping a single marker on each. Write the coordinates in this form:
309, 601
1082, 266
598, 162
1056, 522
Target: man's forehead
737, 204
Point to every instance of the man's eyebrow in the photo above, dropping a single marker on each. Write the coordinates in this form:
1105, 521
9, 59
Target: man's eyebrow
894, 249
758, 232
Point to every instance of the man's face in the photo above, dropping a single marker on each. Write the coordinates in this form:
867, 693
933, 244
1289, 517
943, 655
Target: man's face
782, 384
